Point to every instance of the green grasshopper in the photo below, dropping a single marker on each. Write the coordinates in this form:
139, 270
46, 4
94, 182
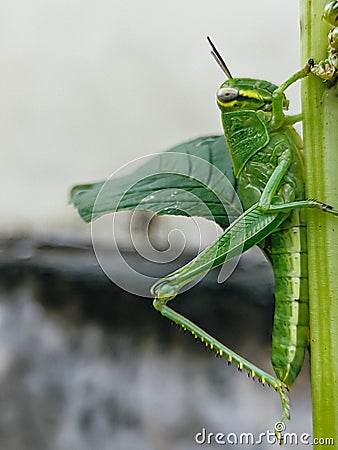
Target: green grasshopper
266, 154
267, 162
327, 69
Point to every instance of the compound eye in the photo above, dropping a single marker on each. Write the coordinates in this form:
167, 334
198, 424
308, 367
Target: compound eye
226, 94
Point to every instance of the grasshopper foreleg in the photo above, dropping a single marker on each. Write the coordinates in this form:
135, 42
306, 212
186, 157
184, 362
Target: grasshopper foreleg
279, 117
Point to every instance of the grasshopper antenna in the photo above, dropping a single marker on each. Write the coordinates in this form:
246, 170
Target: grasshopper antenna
218, 58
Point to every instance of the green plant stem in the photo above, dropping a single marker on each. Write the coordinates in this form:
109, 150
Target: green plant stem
320, 111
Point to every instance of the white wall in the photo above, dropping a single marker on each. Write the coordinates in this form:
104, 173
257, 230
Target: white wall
87, 86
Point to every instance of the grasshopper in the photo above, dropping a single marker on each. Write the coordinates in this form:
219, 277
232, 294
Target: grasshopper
266, 154
267, 161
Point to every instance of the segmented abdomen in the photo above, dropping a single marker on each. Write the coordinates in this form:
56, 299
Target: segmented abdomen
291, 318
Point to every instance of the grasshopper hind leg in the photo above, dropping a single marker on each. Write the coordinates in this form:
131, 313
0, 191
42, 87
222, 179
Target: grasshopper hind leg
223, 351
238, 237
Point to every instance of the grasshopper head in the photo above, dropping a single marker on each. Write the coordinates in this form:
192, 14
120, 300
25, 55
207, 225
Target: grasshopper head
243, 93
246, 94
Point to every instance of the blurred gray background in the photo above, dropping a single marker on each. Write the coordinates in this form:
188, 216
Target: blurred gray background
87, 87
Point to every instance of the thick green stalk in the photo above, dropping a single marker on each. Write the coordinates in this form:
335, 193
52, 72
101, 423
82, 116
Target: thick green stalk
320, 110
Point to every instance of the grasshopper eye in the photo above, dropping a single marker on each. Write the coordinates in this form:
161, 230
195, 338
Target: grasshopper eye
227, 94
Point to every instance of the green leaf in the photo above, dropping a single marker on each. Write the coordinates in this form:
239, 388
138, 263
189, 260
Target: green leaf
192, 179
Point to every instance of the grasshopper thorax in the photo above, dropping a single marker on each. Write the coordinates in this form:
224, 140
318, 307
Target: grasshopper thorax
246, 94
